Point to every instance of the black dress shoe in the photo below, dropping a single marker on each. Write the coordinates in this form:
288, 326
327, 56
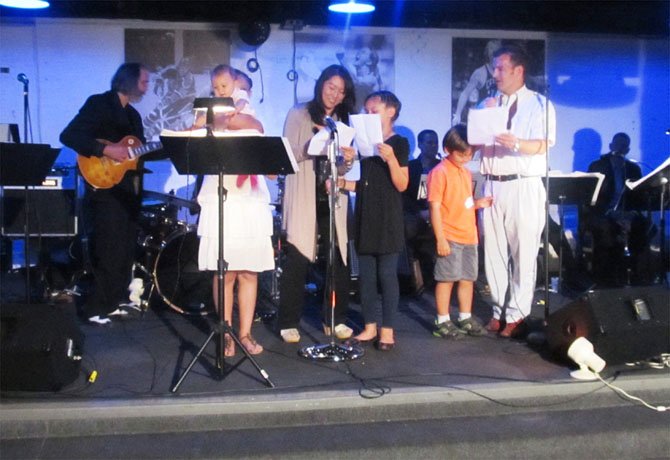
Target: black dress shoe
384, 346
353, 342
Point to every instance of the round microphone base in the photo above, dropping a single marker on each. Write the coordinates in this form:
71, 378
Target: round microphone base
332, 352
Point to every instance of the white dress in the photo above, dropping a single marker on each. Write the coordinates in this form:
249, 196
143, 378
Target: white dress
247, 219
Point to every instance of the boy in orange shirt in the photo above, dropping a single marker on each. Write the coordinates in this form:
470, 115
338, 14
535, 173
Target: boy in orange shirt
452, 215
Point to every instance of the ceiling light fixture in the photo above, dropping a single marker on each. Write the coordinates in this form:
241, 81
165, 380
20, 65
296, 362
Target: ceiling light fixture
351, 7
25, 4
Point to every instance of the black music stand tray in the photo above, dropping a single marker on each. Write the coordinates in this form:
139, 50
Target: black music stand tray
573, 189
220, 155
25, 165
652, 192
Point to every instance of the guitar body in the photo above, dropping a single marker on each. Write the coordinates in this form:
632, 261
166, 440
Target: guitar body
103, 172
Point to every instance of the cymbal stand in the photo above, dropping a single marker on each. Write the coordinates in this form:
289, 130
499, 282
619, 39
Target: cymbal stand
332, 351
664, 242
561, 226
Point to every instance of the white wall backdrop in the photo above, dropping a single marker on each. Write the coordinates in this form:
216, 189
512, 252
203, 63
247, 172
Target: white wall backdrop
600, 85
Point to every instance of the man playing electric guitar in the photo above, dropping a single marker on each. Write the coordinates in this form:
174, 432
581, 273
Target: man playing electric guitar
110, 213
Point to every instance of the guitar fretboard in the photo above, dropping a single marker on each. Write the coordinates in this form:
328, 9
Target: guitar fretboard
146, 148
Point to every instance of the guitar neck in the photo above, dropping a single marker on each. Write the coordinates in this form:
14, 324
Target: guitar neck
144, 149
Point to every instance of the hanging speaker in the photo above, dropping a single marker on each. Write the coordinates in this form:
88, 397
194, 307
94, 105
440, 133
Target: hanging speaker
624, 324
254, 33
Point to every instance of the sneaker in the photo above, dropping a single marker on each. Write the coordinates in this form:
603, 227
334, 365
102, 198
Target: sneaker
514, 330
99, 320
130, 306
118, 312
471, 326
290, 335
448, 330
494, 325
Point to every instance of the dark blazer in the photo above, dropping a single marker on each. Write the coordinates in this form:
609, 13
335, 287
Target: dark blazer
101, 117
604, 166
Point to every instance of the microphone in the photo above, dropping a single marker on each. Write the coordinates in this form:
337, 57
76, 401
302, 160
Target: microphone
330, 124
22, 78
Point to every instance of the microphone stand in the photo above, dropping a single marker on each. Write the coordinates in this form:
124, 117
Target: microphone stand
547, 217
332, 351
26, 196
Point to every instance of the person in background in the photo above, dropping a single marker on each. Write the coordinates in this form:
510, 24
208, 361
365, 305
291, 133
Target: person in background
513, 168
618, 233
247, 224
112, 212
379, 230
418, 234
305, 207
452, 214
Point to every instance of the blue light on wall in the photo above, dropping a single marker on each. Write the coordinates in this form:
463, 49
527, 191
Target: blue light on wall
25, 4
351, 7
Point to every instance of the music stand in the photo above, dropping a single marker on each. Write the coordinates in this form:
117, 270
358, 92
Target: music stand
212, 104
25, 165
220, 155
574, 189
651, 192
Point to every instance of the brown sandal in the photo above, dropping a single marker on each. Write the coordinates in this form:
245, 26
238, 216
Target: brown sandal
252, 347
229, 346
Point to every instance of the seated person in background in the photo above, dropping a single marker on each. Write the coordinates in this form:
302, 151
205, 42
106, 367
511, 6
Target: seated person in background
418, 234
616, 232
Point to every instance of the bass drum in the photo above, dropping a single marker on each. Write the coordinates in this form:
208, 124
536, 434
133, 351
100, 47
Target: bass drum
178, 281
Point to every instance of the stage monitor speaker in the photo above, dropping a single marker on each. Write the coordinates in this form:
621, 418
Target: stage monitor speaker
623, 324
40, 347
51, 213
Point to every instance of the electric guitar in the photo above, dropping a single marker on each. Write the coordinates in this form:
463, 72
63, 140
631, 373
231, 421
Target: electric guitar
103, 172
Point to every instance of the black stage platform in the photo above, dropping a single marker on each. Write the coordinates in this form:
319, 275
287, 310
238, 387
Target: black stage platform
423, 380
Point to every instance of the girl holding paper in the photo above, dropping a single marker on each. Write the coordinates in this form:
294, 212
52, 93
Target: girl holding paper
379, 229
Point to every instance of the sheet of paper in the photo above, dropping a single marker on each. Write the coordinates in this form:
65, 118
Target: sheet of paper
368, 132
289, 150
319, 142
202, 132
485, 124
578, 174
632, 184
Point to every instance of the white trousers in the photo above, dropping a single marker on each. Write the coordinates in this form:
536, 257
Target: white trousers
512, 229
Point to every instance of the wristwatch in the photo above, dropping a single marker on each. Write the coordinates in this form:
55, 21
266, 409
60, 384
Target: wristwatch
517, 145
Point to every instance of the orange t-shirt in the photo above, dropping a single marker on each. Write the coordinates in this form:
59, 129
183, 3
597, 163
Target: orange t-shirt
451, 186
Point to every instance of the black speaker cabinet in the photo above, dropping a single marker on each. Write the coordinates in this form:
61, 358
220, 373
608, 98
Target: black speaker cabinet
40, 347
51, 212
623, 324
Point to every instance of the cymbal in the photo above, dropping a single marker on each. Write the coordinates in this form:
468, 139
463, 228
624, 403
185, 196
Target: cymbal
172, 200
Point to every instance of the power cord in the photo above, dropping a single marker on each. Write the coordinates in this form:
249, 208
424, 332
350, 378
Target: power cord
622, 392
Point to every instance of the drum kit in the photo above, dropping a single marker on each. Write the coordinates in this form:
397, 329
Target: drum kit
167, 255
167, 259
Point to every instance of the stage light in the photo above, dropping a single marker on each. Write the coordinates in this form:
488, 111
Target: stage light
351, 7
590, 364
25, 4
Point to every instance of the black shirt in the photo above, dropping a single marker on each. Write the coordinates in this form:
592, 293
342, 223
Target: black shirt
379, 225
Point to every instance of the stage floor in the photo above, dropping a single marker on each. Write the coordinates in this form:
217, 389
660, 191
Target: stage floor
138, 360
